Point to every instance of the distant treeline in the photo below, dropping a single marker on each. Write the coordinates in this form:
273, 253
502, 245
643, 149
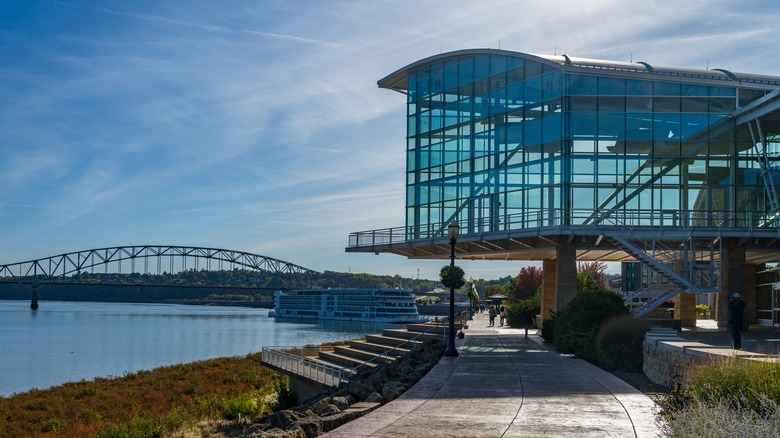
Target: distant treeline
235, 285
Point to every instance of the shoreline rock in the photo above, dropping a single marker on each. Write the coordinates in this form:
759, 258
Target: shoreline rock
366, 391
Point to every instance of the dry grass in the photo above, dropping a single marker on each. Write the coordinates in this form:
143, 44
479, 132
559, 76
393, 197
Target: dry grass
146, 403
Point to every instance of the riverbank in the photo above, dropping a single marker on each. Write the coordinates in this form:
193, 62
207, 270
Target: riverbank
145, 403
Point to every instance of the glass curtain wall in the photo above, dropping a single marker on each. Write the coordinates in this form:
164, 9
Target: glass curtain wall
506, 143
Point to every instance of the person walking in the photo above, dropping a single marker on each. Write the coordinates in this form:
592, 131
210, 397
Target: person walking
502, 315
526, 320
736, 311
492, 315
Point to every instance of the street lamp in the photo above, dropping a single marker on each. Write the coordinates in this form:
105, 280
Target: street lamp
472, 304
452, 233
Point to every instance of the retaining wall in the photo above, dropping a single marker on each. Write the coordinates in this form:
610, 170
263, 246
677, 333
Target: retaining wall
670, 359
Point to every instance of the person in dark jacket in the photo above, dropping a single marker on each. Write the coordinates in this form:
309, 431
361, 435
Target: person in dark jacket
736, 312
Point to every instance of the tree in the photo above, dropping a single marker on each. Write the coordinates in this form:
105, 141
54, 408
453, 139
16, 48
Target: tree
527, 282
597, 270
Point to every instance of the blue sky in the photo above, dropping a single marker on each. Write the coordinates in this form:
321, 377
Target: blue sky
258, 126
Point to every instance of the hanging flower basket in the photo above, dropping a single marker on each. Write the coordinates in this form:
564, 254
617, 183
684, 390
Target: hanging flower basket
452, 276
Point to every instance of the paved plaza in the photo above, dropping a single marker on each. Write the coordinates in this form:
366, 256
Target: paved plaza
504, 384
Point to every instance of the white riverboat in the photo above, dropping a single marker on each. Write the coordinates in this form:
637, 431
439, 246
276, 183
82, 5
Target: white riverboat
374, 305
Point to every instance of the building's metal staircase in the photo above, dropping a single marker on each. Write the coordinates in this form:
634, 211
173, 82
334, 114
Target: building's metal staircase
694, 267
769, 174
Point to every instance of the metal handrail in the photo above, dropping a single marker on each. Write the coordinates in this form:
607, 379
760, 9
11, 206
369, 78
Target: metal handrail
305, 367
575, 218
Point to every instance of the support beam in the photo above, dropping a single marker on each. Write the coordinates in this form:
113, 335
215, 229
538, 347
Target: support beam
734, 280
565, 275
548, 289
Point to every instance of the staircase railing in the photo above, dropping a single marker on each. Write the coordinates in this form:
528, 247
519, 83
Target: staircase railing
305, 367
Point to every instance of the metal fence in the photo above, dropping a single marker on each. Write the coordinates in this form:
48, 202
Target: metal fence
305, 367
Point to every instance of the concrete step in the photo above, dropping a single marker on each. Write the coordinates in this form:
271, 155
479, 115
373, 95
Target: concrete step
342, 360
379, 348
391, 342
362, 355
430, 328
404, 334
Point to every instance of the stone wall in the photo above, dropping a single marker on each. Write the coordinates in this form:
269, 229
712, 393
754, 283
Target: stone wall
670, 359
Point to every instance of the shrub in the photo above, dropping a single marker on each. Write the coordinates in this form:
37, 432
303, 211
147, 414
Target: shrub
578, 323
702, 311
285, 398
719, 379
515, 309
452, 276
548, 328
726, 418
619, 343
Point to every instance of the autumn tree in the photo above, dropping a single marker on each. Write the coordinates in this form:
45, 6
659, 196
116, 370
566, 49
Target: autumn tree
597, 270
528, 280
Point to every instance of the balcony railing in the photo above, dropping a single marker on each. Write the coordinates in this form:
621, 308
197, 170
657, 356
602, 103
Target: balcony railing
552, 219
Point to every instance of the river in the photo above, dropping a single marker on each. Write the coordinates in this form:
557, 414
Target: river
71, 341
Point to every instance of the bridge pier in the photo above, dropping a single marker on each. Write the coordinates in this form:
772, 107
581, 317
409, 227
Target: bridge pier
34, 299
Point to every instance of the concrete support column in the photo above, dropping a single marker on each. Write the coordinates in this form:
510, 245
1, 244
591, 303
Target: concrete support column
685, 309
565, 275
734, 279
548, 289
750, 290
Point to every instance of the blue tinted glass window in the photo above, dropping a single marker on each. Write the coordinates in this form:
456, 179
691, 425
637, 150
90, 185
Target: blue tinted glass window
532, 69
639, 126
481, 67
551, 128
533, 90
451, 77
580, 84
666, 126
612, 86
639, 88
551, 85
666, 89
583, 125
466, 71
612, 126
723, 91
497, 64
694, 90
694, 126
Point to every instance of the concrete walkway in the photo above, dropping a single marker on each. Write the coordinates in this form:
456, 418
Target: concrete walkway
506, 385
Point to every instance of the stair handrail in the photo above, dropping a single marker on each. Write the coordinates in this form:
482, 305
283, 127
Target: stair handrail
653, 302
332, 375
654, 264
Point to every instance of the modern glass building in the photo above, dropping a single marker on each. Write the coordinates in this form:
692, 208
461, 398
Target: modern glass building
561, 159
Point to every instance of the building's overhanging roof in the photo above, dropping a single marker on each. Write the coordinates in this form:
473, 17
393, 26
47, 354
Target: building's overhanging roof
398, 79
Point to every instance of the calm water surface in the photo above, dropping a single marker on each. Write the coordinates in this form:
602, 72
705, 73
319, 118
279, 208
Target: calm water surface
70, 341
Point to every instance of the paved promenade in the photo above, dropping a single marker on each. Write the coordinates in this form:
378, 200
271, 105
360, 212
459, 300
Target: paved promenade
506, 385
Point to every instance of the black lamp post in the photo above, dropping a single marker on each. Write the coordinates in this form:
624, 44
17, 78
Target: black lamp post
472, 304
452, 233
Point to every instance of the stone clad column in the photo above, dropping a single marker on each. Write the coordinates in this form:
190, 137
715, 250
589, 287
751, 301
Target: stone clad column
548, 289
734, 279
565, 274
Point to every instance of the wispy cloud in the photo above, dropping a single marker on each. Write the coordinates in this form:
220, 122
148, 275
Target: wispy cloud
260, 126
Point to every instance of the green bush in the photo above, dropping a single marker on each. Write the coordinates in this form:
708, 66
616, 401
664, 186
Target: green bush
515, 308
285, 397
548, 328
578, 323
619, 343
